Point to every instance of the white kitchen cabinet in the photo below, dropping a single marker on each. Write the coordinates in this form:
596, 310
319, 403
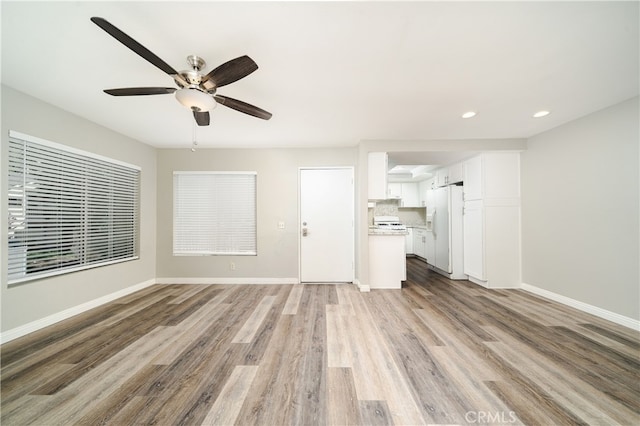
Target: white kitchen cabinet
473, 222
441, 178
423, 187
408, 241
501, 172
419, 241
394, 191
409, 195
455, 174
492, 244
406, 192
387, 261
492, 175
378, 163
472, 170
492, 219
449, 175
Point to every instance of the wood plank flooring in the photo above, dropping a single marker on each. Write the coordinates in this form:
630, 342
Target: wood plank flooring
435, 352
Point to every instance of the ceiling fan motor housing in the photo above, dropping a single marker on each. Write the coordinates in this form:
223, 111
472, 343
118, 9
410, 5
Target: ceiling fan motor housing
193, 76
194, 96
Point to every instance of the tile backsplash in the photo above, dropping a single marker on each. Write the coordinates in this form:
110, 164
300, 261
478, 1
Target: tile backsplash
386, 208
408, 216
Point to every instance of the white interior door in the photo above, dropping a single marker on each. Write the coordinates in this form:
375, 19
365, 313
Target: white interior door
326, 225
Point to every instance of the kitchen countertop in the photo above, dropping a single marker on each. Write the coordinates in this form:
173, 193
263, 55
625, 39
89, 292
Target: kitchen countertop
377, 231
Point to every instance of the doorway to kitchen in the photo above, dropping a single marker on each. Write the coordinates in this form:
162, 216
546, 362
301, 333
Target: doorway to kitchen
326, 224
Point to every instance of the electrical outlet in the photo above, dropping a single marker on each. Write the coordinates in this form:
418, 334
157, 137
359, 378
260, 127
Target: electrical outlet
281, 224
232, 266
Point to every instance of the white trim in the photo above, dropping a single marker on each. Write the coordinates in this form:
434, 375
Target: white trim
210, 172
36, 325
35, 139
585, 307
364, 288
227, 280
478, 281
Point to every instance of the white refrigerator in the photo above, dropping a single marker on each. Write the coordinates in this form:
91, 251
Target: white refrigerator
445, 212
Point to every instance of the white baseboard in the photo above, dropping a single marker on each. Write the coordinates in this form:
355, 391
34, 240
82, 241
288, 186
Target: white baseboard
585, 307
478, 281
25, 329
222, 280
364, 288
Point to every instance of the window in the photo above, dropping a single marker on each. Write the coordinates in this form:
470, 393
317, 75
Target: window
214, 213
68, 209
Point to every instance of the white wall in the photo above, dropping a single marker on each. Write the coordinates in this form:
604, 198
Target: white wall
580, 215
34, 300
277, 200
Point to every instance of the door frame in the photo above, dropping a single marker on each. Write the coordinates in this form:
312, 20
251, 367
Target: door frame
353, 216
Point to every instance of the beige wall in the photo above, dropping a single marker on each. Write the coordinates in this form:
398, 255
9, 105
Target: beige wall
34, 300
580, 216
277, 201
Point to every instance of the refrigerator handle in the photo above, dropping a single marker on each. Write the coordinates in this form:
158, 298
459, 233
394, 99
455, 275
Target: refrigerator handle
433, 223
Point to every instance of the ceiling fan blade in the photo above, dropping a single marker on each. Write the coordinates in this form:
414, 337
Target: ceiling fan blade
202, 117
133, 45
243, 107
139, 91
231, 71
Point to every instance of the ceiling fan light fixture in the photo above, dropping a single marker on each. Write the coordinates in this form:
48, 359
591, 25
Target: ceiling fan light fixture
195, 99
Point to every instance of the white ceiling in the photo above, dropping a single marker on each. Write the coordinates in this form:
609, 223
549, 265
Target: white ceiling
332, 73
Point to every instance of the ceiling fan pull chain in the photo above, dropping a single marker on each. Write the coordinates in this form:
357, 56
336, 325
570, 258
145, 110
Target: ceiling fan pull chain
194, 142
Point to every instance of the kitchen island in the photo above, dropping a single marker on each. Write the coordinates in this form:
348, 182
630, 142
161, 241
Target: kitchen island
387, 258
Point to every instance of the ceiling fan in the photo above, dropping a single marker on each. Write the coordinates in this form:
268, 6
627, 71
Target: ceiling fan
196, 90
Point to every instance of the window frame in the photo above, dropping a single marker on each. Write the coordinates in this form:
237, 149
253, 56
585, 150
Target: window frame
116, 225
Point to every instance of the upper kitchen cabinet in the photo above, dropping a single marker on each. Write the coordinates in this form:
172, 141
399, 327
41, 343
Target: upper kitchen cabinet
406, 192
455, 173
492, 175
394, 191
472, 169
377, 167
449, 175
441, 177
423, 187
409, 195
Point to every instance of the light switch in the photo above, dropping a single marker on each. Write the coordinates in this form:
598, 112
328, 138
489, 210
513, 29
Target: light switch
281, 225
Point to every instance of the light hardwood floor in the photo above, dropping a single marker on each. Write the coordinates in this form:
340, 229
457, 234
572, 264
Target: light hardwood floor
435, 352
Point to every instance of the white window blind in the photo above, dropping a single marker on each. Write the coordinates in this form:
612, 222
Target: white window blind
214, 213
68, 209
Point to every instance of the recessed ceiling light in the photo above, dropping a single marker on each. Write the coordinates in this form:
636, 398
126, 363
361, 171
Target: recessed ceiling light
469, 114
540, 114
